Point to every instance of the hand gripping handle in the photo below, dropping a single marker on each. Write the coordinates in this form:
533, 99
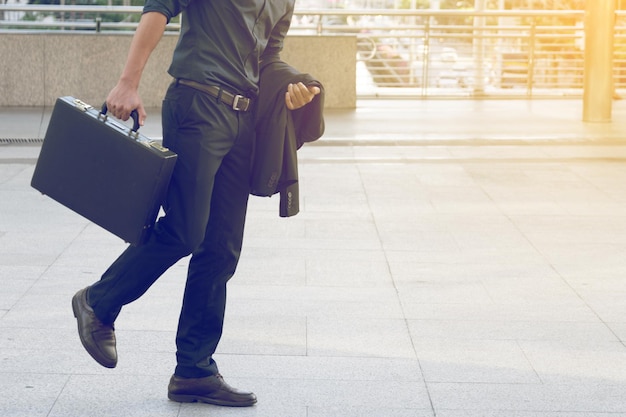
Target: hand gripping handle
134, 114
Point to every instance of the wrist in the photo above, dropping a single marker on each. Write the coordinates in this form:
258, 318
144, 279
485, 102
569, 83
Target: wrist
131, 83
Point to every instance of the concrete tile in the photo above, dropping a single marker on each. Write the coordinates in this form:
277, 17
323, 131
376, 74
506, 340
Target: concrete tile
264, 335
590, 274
92, 253
580, 363
510, 330
353, 337
394, 207
420, 222
15, 158
21, 122
64, 281
500, 240
146, 341
343, 368
587, 151
573, 229
21, 272
335, 201
400, 237
510, 311
29, 394
324, 151
342, 228
310, 301
133, 362
27, 204
518, 201
268, 265
475, 361
513, 290
327, 243
478, 223
133, 396
445, 175
42, 339
488, 153
151, 312
341, 394
424, 292
606, 305
453, 255
390, 411
378, 179
51, 361
22, 177
12, 291
41, 311
263, 221
347, 267
406, 269
331, 176
583, 255
11, 174
513, 413
261, 409
474, 200
568, 399
25, 243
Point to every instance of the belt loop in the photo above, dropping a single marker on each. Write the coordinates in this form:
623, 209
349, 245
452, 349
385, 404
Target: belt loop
176, 82
219, 95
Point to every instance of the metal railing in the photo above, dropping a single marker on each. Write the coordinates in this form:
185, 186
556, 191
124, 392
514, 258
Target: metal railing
37, 17
414, 53
429, 53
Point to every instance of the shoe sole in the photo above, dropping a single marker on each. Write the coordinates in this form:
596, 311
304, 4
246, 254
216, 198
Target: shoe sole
181, 398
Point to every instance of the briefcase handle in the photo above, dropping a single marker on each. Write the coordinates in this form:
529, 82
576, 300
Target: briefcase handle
134, 114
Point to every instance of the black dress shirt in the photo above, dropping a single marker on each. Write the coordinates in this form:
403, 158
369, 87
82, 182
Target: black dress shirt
222, 41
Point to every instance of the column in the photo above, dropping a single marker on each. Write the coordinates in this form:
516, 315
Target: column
598, 76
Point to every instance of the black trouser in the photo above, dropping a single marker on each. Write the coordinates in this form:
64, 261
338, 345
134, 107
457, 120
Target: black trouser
205, 214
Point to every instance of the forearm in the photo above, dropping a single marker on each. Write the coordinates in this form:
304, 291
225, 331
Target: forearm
147, 36
125, 97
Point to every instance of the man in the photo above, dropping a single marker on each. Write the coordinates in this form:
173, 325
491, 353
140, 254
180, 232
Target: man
208, 120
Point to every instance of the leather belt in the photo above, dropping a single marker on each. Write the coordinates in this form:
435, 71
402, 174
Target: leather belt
236, 101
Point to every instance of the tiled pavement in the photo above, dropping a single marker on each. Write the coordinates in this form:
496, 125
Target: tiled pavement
452, 259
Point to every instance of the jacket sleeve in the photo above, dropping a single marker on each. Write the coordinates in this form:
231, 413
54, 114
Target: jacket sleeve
309, 120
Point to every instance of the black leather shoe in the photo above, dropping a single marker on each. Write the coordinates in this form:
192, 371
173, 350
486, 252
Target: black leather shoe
211, 390
97, 338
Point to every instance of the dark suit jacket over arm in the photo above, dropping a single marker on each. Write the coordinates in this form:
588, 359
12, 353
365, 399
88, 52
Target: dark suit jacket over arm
281, 132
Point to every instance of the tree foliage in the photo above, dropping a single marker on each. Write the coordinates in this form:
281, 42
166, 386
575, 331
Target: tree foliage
508, 4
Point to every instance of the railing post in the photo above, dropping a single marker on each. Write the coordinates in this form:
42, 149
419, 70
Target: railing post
530, 60
479, 49
598, 75
426, 57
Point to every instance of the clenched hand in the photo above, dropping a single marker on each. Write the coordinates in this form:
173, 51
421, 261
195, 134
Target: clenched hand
299, 95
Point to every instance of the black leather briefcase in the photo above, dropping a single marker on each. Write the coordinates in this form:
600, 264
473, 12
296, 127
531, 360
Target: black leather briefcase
103, 170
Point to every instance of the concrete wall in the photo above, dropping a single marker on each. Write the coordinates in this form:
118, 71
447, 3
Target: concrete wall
35, 69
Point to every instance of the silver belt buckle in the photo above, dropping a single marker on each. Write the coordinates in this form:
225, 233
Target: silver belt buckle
244, 101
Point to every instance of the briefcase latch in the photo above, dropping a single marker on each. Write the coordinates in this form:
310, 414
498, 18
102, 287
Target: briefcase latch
81, 105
